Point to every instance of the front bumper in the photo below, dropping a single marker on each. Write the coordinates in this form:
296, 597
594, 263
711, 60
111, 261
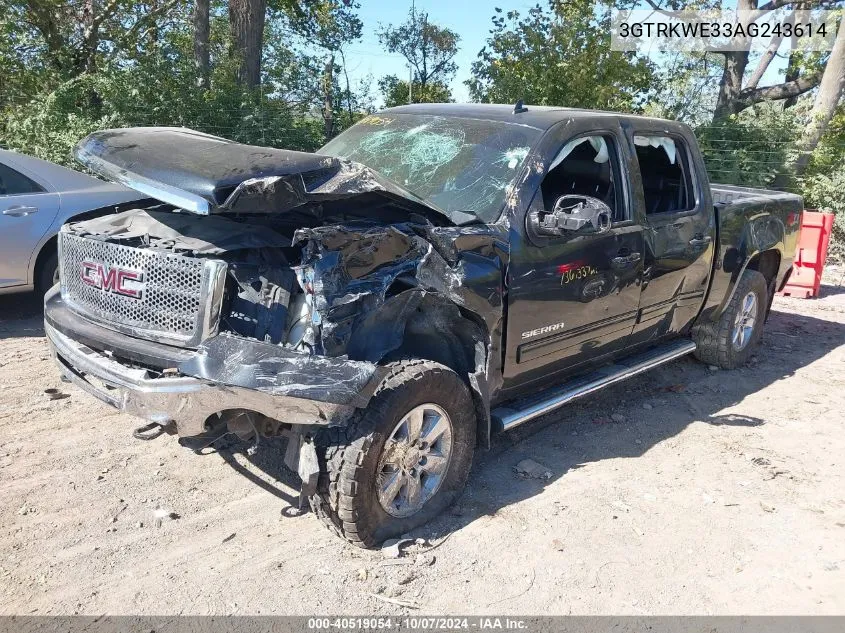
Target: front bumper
226, 373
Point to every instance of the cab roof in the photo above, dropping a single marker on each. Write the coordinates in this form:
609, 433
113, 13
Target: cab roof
540, 117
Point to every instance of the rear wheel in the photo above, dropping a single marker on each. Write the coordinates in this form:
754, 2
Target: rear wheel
729, 342
401, 461
47, 274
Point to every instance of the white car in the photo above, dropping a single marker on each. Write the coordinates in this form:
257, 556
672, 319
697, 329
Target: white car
36, 198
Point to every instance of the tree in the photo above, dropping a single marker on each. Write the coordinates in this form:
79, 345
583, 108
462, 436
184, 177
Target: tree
395, 92
202, 32
246, 20
825, 104
739, 89
331, 25
733, 95
559, 56
687, 89
430, 49
75, 36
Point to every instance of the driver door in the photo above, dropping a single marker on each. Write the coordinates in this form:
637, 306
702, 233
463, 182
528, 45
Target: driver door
573, 298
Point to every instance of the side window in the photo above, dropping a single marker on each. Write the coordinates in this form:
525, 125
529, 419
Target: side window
586, 166
15, 183
667, 180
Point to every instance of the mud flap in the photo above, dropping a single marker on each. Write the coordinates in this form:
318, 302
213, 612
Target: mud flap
301, 456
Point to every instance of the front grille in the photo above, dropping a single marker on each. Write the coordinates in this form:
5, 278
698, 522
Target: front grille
178, 298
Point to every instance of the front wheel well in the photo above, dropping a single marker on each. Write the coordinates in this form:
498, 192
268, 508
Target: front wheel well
438, 330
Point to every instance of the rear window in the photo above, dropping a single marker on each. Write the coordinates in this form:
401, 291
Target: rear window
14, 183
665, 170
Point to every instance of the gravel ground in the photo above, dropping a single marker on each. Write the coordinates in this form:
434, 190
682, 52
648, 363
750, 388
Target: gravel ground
682, 491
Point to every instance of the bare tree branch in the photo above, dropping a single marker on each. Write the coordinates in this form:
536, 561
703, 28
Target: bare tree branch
146, 19
771, 6
672, 14
748, 97
767, 57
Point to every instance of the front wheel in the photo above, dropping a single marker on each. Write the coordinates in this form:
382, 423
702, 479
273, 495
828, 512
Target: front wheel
402, 460
729, 342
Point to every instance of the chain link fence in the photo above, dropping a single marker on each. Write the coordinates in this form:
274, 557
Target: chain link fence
753, 158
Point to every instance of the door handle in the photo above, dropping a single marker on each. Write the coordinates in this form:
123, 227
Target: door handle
700, 241
19, 211
623, 261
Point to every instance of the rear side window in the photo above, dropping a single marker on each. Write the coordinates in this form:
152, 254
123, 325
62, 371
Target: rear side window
665, 170
13, 183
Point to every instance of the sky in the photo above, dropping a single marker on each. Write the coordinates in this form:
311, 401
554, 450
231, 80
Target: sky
471, 19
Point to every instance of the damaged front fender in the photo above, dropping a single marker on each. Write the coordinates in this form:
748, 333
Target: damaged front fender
383, 293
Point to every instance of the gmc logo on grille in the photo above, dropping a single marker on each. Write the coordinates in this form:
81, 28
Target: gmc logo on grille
114, 279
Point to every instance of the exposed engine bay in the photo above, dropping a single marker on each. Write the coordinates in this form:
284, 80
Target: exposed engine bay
262, 299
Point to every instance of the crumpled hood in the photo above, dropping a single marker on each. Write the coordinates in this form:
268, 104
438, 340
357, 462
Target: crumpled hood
206, 174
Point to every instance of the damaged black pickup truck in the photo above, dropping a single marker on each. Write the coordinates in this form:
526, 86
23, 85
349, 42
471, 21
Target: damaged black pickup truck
432, 275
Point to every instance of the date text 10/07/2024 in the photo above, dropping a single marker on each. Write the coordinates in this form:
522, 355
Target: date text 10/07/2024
418, 624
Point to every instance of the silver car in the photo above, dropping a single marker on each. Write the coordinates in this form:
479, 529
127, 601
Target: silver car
36, 198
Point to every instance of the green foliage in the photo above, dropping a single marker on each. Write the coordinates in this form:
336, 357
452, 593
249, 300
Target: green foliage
825, 191
395, 92
51, 124
823, 183
428, 47
754, 147
144, 74
559, 56
330, 24
23, 63
750, 148
688, 88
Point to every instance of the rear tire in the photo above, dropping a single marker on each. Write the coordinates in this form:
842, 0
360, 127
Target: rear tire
47, 274
359, 461
729, 342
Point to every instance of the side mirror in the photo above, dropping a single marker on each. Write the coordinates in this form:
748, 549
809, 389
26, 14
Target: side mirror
572, 213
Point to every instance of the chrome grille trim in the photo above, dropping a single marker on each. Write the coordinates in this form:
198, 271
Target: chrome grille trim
180, 303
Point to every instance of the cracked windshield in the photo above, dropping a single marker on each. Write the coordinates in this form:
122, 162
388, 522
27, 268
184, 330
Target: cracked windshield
461, 165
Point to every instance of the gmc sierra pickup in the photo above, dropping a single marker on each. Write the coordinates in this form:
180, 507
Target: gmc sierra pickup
432, 275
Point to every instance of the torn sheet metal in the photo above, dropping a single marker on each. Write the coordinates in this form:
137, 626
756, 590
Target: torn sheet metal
179, 232
240, 362
207, 175
381, 288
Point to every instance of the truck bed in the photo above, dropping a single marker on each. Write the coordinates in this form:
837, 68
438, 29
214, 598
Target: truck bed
732, 194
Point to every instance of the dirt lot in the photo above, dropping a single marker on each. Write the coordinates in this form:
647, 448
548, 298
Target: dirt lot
719, 493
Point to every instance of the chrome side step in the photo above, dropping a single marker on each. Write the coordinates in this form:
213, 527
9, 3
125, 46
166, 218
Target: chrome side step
524, 409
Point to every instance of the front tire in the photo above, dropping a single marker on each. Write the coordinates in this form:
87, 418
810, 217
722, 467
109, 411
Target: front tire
729, 342
401, 461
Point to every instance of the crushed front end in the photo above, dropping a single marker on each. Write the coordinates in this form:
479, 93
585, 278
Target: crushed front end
200, 327
265, 293
158, 316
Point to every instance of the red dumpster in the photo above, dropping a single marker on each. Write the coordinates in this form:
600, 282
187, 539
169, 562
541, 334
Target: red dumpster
812, 252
